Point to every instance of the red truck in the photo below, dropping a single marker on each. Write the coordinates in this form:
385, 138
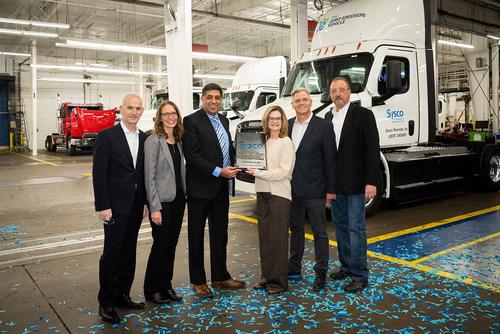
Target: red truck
79, 125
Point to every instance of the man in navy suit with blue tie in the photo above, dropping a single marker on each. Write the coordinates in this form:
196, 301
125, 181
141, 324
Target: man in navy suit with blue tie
209, 152
120, 201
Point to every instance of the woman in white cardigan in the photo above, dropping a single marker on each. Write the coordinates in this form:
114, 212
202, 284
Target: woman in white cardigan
274, 197
165, 175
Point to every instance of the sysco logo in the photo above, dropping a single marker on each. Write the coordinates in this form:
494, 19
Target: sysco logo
245, 146
395, 114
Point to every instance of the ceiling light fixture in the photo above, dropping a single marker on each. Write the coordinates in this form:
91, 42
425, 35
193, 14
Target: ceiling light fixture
35, 23
28, 33
15, 54
467, 46
147, 50
94, 69
493, 37
114, 82
213, 76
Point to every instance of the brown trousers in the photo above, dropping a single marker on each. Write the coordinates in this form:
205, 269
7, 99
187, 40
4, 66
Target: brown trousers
273, 213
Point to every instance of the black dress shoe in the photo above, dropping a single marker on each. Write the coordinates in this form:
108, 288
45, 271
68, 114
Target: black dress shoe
339, 274
109, 314
319, 282
355, 286
157, 298
172, 295
127, 302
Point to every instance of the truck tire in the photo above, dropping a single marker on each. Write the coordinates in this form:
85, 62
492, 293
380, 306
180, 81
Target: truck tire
48, 143
372, 205
72, 149
490, 169
54, 148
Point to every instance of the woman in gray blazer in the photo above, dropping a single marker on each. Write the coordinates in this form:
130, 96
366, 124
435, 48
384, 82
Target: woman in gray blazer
165, 179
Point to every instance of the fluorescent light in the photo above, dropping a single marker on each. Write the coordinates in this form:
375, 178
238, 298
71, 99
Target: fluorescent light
146, 50
114, 82
113, 47
215, 56
36, 23
467, 46
94, 69
99, 65
28, 33
493, 37
213, 76
15, 54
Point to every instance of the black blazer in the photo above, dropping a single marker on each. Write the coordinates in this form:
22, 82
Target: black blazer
114, 177
203, 153
358, 156
314, 171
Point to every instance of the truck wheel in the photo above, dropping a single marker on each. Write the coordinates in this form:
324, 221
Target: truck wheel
48, 143
490, 169
372, 205
72, 149
54, 148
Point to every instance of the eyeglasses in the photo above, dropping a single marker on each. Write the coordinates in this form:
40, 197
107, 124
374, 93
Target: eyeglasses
274, 119
169, 114
341, 90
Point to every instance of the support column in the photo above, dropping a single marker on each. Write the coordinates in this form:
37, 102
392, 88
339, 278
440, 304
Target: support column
495, 85
299, 28
34, 113
159, 79
178, 36
141, 83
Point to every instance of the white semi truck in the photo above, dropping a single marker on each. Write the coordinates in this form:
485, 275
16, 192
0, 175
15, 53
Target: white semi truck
384, 48
255, 84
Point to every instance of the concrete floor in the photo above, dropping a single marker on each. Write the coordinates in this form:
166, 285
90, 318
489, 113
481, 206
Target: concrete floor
52, 240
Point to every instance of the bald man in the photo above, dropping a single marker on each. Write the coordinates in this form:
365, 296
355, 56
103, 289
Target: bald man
120, 201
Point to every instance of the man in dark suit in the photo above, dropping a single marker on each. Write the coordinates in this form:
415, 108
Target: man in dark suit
358, 172
313, 182
120, 200
209, 175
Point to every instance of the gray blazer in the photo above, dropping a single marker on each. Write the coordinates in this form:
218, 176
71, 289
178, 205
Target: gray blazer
159, 172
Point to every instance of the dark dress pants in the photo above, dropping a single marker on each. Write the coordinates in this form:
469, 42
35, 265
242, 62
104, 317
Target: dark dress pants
315, 210
117, 262
273, 213
216, 209
160, 269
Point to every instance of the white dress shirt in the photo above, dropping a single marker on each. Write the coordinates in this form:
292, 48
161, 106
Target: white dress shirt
298, 131
338, 121
132, 140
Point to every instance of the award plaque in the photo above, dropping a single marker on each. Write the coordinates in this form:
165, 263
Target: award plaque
251, 150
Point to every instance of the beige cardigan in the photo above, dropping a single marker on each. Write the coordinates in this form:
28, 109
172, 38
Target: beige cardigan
280, 161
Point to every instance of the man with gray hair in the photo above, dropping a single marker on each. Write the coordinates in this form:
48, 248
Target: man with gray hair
313, 181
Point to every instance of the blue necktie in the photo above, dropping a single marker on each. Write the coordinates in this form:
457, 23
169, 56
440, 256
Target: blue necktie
220, 135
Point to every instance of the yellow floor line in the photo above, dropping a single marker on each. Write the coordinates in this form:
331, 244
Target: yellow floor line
431, 225
455, 248
243, 200
46, 162
470, 281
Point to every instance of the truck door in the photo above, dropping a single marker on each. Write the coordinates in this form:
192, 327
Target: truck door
397, 117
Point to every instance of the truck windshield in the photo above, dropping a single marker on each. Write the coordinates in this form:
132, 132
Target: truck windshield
316, 75
245, 97
158, 99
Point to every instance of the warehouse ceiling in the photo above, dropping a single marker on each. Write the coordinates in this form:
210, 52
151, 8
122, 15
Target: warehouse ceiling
253, 28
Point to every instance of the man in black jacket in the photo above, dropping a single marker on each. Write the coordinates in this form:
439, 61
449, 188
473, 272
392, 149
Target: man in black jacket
313, 182
357, 178
120, 200
209, 176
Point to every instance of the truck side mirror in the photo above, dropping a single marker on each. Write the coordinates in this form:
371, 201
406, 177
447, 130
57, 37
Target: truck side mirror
325, 97
394, 81
236, 104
